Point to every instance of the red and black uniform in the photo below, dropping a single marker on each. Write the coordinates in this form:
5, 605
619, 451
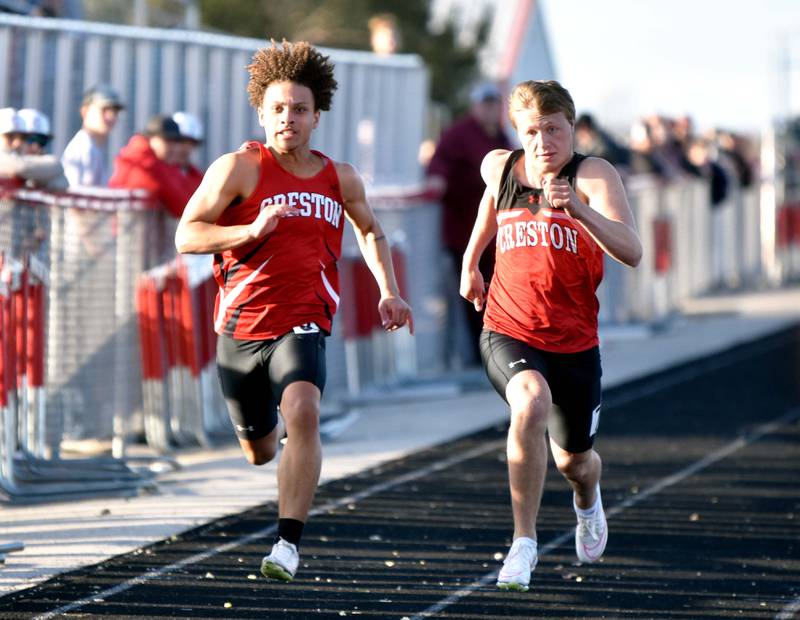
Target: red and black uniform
278, 294
541, 310
289, 277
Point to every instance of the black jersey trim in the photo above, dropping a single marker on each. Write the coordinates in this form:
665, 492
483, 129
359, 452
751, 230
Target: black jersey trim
514, 195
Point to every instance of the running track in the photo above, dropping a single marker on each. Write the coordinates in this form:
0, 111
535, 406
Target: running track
701, 487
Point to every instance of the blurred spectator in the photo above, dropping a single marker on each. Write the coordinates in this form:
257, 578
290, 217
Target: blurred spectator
150, 161
700, 155
384, 34
28, 163
35, 131
85, 157
643, 156
736, 149
10, 130
668, 148
454, 174
592, 140
683, 129
191, 130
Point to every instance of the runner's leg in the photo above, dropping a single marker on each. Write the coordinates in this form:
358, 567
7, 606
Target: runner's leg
529, 398
301, 460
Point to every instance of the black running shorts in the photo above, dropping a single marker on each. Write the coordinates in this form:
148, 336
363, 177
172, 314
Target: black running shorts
573, 378
254, 373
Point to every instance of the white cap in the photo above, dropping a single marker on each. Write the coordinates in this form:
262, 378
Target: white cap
10, 122
189, 126
34, 121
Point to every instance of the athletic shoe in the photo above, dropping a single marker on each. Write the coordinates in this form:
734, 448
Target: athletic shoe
591, 533
282, 561
517, 567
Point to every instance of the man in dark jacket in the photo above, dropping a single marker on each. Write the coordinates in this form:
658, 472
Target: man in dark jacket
454, 173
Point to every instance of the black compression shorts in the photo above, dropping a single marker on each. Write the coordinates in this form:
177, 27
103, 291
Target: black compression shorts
573, 379
254, 373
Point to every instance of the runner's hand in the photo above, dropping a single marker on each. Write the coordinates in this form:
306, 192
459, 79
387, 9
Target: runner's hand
268, 219
561, 195
473, 288
395, 313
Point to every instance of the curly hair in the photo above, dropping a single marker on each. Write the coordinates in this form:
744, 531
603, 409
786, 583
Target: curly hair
291, 62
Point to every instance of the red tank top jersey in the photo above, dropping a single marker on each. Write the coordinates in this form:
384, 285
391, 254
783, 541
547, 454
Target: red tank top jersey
289, 277
547, 269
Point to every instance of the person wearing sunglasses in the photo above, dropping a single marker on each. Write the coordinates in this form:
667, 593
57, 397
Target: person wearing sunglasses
28, 164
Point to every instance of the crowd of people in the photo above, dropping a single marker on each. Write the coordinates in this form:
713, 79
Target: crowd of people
157, 159
670, 149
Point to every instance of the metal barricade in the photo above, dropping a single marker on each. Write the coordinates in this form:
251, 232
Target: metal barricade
9, 547
373, 357
183, 404
65, 304
26, 472
787, 240
690, 248
377, 122
362, 357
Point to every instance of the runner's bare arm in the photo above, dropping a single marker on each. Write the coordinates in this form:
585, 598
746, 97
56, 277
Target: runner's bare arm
394, 311
232, 176
472, 287
604, 211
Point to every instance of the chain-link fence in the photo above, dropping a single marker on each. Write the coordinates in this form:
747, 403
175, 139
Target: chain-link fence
69, 349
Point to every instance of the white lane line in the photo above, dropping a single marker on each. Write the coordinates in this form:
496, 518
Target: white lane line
245, 540
789, 612
717, 455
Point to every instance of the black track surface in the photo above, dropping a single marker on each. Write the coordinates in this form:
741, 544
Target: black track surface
719, 542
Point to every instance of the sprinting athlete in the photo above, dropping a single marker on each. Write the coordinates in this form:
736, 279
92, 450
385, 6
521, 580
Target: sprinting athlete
555, 214
273, 215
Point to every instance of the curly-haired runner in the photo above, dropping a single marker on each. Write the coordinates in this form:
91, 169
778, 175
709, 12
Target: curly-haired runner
272, 216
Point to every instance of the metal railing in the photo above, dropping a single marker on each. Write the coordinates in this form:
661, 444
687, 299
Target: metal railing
376, 121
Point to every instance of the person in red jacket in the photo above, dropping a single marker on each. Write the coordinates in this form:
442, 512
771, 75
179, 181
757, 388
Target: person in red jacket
149, 161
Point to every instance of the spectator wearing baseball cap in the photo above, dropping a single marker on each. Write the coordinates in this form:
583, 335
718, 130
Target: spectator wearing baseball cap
28, 164
484, 92
104, 97
10, 130
149, 162
191, 130
85, 158
36, 133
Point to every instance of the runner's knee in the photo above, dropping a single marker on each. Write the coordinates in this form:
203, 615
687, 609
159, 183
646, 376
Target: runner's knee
259, 452
530, 401
301, 413
573, 466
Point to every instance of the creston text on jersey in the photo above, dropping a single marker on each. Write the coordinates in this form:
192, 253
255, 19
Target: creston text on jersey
530, 233
310, 204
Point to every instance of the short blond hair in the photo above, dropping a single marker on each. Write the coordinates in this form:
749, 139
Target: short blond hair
543, 96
